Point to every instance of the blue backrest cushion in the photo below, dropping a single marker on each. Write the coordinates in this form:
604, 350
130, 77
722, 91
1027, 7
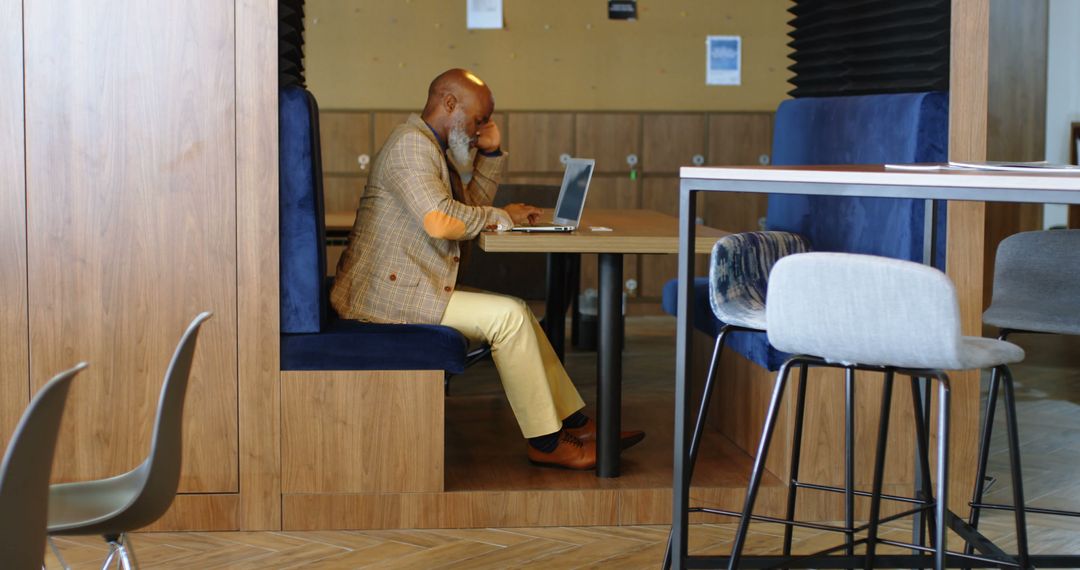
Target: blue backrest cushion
864, 129
302, 222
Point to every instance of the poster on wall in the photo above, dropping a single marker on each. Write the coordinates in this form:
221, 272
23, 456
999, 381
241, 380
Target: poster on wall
723, 60
484, 14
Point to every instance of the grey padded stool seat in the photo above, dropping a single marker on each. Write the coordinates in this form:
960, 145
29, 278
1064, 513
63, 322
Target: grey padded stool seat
114, 506
894, 317
25, 472
1036, 289
739, 269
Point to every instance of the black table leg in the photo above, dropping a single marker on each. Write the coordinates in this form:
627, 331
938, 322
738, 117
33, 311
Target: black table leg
609, 365
555, 313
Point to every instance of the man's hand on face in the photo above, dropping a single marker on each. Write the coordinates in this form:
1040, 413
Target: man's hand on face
489, 138
523, 213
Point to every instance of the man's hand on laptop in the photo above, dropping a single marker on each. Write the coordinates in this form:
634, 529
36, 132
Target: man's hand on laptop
523, 214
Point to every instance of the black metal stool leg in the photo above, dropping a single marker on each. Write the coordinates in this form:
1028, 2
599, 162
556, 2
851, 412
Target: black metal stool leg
984, 454
849, 459
922, 444
1014, 464
759, 466
699, 425
796, 455
941, 509
879, 468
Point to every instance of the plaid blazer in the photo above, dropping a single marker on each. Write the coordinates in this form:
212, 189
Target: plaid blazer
402, 260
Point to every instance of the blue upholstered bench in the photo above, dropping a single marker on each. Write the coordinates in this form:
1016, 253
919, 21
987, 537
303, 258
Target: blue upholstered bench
312, 336
866, 129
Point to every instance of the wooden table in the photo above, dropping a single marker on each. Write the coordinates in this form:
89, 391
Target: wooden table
611, 234
854, 180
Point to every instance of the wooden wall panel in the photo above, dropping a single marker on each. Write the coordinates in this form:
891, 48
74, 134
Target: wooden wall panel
258, 322
130, 112
968, 109
1016, 112
384, 123
739, 139
345, 135
537, 140
14, 344
342, 193
671, 140
662, 195
357, 432
609, 138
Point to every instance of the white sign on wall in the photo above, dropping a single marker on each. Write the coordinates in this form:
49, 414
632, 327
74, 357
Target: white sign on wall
723, 60
484, 14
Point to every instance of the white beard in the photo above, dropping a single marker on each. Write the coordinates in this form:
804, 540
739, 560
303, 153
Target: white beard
461, 157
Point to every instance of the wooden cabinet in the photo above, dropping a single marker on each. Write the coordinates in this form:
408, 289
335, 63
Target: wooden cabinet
14, 356
671, 141
611, 192
737, 139
385, 123
740, 139
342, 192
609, 138
132, 225
537, 140
345, 135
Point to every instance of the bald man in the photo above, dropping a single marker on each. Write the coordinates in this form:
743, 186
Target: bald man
430, 188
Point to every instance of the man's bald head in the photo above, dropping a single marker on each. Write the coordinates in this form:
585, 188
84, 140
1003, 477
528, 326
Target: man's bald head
460, 86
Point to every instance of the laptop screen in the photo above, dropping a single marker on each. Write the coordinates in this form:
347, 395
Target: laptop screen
575, 186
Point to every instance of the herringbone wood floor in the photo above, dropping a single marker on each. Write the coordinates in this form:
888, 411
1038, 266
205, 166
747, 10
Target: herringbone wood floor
1049, 401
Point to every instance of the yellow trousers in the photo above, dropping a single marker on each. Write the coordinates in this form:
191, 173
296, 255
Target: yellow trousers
539, 390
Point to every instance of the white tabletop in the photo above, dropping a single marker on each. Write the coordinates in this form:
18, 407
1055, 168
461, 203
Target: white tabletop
876, 180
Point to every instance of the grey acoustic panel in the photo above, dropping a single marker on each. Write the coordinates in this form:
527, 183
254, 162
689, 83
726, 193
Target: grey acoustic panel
291, 43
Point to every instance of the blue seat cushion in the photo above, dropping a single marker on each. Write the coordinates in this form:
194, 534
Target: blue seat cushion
752, 345
353, 345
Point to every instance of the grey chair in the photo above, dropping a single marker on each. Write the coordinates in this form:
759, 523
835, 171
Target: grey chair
1036, 290
738, 278
860, 312
114, 506
25, 472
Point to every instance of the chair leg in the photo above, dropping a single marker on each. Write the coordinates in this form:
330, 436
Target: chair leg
699, 424
849, 459
984, 453
1014, 464
922, 444
113, 549
942, 506
879, 468
759, 466
56, 553
796, 457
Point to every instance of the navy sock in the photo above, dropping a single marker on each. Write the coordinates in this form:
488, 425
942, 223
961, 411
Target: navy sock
546, 443
575, 420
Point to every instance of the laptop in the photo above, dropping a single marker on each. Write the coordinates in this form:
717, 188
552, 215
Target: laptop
575, 186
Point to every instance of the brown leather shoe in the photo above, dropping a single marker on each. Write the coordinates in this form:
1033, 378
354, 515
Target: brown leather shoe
571, 453
587, 432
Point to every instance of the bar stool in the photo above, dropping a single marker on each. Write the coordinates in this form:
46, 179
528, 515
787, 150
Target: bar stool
738, 278
861, 312
1036, 290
